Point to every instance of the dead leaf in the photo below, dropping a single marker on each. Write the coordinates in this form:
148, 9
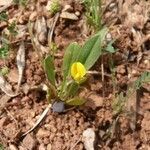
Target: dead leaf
6, 87
67, 15
20, 63
3, 100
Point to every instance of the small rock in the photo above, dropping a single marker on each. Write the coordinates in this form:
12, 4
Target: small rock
12, 147
49, 147
42, 147
108, 37
42, 133
67, 15
58, 107
29, 142
77, 13
89, 138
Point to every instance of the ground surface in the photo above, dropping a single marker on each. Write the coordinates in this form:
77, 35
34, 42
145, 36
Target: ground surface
129, 25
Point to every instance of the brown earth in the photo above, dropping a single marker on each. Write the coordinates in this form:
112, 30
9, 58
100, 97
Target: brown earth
129, 25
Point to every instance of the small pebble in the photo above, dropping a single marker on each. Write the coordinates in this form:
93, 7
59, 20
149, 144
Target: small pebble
58, 107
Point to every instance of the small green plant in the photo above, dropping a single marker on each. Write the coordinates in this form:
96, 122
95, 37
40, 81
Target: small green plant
3, 16
1, 147
12, 29
54, 7
4, 49
121, 99
4, 70
76, 62
93, 13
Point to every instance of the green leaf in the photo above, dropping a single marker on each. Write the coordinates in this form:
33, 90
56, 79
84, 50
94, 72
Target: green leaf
50, 69
71, 55
110, 48
92, 49
4, 51
12, 28
144, 78
76, 101
1, 147
3, 16
72, 89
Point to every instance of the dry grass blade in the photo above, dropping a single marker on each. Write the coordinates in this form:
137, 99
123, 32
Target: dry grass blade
20, 63
6, 87
39, 120
50, 33
30, 28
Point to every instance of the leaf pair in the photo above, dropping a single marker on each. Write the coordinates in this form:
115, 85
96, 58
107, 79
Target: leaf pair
87, 55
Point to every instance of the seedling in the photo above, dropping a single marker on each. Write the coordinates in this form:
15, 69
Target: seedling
6, 39
93, 13
4, 49
3, 16
76, 62
4, 71
12, 29
1, 147
54, 7
121, 99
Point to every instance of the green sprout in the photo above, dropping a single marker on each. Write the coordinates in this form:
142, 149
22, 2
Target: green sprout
3, 16
1, 147
54, 7
4, 49
93, 13
120, 100
4, 71
12, 28
76, 63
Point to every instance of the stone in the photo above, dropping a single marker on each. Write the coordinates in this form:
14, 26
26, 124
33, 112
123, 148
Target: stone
67, 15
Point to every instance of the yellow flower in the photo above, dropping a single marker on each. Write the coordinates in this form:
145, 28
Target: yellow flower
78, 71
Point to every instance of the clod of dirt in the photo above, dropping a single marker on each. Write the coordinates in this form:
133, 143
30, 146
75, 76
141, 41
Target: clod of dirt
12, 147
42, 133
3, 122
29, 142
89, 138
94, 101
42, 147
13, 76
33, 16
